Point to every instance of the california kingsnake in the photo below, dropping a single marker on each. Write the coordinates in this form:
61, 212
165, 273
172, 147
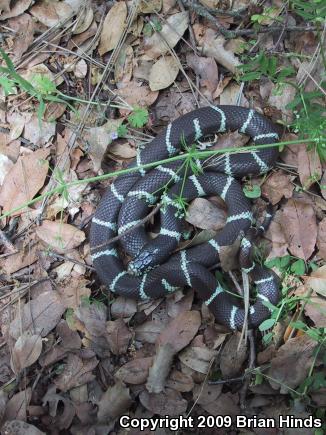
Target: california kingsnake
128, 198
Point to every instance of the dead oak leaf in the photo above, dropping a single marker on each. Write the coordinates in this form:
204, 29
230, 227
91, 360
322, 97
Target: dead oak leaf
113, 27
76, 372
299, 225
292, 362
39, 316
309, 166
24, 180
59, 236
276, 186
181, 330
26, 351
118, 336
115, 401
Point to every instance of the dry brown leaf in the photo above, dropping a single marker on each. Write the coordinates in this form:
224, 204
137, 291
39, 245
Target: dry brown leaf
292, 363
203, 394
323, 185
115, 401
213, 45
123, 150
59, 236
123, 307
281, 100
278, 185
277, 237
24, 180
5, 166
73, 290
99, 138
180, 382
179, 302
198, 358
168, 37
113, 27
17, 8
146, 7
124, 64
233, 357
24, 28
63, 414
169, 402
309, 166
93, 316
231, 93
5, 5
118, 336
136, 95
206, 69
84, 21
25, 257
315, 308
321, 239
38, 316
317, 281
17, 405
163, 73
181, 330
52, 13
26, 351
17, 427
76, 372
35, 134
135, 371
298, 221
149, 331
205, 215
80, 69
226, 404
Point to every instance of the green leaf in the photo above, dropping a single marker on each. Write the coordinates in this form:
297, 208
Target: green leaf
122, 130
43, 84
139, 117
298, 267
267, 324
252, 191
7, 85
254, 75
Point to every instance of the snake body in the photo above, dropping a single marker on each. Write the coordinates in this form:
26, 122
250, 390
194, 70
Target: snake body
155, 270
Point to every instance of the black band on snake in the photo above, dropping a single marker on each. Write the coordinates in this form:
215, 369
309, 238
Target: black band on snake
155, 270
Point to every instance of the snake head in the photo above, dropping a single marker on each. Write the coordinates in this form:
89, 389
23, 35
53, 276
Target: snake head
142, 263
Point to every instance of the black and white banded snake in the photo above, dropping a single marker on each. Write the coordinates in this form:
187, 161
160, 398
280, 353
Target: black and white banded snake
127, 200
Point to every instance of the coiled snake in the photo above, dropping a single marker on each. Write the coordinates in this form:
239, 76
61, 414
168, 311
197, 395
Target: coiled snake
155, 270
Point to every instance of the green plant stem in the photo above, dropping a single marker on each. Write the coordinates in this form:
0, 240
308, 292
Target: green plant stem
192, 154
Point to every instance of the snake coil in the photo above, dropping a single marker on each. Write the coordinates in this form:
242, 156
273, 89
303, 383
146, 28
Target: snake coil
155, 271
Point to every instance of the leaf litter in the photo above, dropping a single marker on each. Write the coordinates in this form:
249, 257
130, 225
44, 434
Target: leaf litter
75, 359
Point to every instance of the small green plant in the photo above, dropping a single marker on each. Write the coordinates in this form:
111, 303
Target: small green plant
312, 10
269, 13
263, 65
152, 26
139, 117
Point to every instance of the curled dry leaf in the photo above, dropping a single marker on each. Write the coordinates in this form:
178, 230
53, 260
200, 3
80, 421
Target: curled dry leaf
84, 21
118, 336
26, 351
24, 180
39, 316
76, 372
168, 37
181, 330
135, 372
163, 73
291, 364
113, 27
59, 236
276, 186
205, 215
169, 402
298, 221
114, 402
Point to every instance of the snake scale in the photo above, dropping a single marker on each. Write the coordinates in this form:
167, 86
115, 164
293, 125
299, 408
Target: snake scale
155, 270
